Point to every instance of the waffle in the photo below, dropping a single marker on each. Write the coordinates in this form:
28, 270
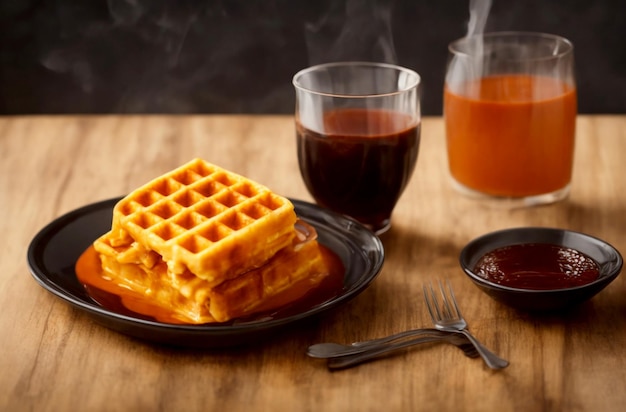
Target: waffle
206, 220
292, 272
209, 245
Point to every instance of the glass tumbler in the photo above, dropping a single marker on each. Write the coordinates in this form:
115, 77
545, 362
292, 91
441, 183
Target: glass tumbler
510, 116
358, 135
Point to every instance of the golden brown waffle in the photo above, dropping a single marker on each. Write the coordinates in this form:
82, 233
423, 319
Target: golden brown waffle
203, 219
208, 245
289, 274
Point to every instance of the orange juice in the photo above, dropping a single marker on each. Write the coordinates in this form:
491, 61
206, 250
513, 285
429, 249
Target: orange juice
511, 135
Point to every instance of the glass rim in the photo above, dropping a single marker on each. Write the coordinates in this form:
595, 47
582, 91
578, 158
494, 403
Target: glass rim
413, 84
455, 49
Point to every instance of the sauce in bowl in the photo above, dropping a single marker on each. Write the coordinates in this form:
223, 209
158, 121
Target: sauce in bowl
537, 266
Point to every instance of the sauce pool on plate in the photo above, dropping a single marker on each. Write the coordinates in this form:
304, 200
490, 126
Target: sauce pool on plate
124, 301
537, 266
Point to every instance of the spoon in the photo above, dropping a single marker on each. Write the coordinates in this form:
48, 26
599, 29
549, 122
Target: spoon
377, 352
332, 349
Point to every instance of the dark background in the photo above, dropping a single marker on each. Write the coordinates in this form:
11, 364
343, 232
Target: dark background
238, 56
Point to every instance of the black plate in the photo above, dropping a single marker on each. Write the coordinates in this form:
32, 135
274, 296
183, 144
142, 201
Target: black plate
53, 252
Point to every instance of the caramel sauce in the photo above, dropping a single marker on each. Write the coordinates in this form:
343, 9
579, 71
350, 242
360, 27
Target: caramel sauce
537, 266
297, 299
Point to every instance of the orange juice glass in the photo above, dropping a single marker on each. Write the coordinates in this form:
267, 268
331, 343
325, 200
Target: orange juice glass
510, 116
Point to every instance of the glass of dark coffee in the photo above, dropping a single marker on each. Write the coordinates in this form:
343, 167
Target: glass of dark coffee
358, 135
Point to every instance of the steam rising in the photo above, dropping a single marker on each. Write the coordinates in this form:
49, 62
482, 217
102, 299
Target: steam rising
479, 12
360, 32
187, 56
458, 69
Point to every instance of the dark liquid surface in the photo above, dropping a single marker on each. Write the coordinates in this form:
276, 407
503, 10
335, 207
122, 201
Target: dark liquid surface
361, 164
537, 266
127, 302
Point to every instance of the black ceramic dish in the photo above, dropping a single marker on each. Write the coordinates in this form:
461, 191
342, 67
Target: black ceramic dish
53, 252
606, 256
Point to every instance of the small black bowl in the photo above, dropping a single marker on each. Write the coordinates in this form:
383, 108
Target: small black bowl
606, 256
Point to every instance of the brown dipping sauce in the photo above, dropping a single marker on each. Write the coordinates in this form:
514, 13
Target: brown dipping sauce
537, 266
127, 302
363, 162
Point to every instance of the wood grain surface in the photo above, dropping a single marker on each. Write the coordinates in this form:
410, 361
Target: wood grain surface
55, 358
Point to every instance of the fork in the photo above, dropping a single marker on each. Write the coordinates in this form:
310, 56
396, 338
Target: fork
447, 317
346, 361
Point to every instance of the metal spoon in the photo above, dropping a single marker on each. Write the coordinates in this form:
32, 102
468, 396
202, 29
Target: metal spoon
332, 349
352, 360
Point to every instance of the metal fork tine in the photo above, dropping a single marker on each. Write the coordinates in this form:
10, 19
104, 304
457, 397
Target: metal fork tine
431, 302
453, 298
445, 306
449, 301
427, 300
429, 305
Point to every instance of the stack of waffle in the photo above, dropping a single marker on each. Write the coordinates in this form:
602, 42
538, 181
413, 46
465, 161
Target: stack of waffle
209, 245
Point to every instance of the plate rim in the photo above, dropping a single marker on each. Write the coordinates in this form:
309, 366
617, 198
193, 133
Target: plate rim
43, 237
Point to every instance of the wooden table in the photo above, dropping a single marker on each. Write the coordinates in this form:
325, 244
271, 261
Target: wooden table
55, 358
